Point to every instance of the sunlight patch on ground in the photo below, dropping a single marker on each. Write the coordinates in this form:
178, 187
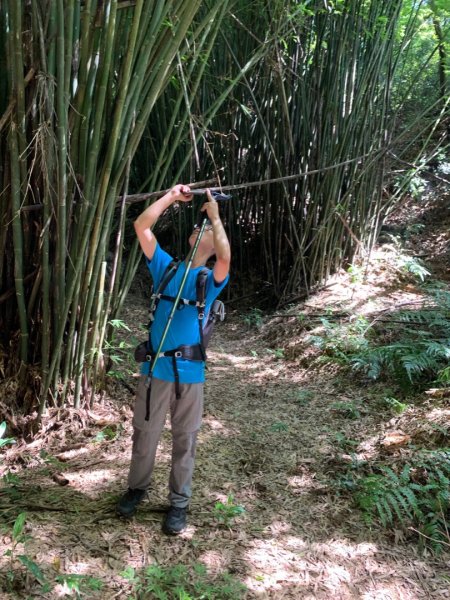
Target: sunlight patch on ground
88, 480
365, 287
277, 528
215, 560
271, 565
216, 427
234, 359
336, 566
74, 453
299, 483
343, 549
438, 415
391, 592
263, 365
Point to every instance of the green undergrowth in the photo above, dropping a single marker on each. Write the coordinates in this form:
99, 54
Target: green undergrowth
24, 575
394, 356
181, 582
411, 494
409, 347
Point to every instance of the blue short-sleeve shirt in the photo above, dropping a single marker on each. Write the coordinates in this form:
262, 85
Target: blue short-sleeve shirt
184, 328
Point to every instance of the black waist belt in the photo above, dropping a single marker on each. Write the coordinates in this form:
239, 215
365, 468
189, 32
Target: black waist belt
189, 352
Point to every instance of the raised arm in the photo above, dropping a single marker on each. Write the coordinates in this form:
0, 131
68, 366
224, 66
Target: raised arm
146, 220
221, 243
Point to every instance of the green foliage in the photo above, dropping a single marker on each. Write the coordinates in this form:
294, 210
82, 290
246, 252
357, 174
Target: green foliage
10, 481
254, 318
18, 528
347, 409
109, 433
278, 427
73, 582
418, 349
120, 352
303, 397
18, 536
52, 461
414, 266
423, 350
444, 376
35, 570
416, 78
226, 512
411, 183
78, 583
345, 443
180, 582
340, 340
356, 273
395, 405
5, 441
276, 353
409, 265
408, 361
418, 496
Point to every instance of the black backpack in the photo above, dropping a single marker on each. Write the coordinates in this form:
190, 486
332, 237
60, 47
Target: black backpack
145, 352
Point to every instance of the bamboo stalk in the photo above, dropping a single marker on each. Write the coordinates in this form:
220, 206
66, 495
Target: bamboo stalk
18, 251
61, 114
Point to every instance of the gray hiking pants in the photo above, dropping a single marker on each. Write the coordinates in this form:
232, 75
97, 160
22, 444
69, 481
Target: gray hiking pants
186, 417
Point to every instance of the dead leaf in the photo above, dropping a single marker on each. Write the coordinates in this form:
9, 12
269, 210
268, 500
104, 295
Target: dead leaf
395, 439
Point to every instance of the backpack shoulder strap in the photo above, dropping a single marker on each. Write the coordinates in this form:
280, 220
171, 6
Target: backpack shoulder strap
200, 287
201, 297
168, 274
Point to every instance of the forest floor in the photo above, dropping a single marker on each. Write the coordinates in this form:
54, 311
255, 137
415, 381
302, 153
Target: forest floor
282, 431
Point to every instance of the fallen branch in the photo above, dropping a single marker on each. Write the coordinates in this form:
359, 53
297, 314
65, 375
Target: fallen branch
429, 538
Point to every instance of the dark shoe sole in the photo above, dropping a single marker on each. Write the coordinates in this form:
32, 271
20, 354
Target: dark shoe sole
168, 531
119, 513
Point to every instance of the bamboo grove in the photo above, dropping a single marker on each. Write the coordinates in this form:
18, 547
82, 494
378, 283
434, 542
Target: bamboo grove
82, 81
104, 98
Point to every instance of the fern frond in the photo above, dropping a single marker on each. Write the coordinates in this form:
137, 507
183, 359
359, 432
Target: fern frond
384, 512
403, 501
391, 475
393, 503
417, 363
405, 474
443, 480
411, 499
439, 349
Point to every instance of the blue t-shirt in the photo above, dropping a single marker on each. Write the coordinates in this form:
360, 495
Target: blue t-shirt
184, 328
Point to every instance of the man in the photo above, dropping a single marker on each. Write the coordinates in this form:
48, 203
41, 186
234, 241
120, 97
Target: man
177, 383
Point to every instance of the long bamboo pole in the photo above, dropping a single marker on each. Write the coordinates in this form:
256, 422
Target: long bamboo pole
61, 128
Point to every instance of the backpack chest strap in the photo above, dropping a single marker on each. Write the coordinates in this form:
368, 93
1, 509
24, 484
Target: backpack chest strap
182, 301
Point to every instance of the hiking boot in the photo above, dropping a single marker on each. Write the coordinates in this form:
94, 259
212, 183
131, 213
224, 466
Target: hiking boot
175, 521
127, 505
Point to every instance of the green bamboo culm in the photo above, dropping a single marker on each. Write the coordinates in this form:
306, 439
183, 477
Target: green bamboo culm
16, 148
95, 73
